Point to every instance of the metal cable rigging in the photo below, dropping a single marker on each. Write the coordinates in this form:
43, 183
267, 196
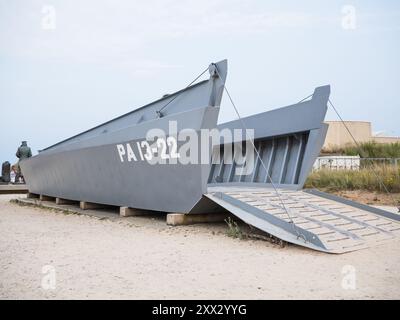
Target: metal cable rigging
360, 151
299, 235
159, 114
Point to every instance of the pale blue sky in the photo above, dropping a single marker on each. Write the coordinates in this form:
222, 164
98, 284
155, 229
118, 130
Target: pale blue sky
105, 58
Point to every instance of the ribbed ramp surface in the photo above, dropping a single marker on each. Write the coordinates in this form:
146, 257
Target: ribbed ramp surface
319, 223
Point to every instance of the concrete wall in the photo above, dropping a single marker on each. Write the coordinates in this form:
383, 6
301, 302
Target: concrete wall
338, 136
386, 139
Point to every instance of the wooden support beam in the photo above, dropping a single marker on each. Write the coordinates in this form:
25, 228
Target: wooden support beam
61, 201
129, 212
46, 198
32, 196
178, 219
90, 205
13, 188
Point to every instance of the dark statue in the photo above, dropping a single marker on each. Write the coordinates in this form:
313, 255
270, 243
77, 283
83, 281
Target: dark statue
23, 152
5, 172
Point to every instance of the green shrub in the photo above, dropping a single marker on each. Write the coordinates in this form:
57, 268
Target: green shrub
233, 229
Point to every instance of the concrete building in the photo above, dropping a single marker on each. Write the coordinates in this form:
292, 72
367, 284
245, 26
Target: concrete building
338, 136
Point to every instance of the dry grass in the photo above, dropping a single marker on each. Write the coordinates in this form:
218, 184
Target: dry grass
368, 150
363, 179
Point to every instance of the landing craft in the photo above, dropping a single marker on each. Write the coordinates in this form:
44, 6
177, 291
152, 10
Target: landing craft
115, 164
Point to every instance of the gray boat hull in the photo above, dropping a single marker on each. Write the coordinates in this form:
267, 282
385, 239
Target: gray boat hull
97, 174
89, 167
107, 165
97, 165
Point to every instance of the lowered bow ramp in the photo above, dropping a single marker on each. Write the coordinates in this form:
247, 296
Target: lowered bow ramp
287, 141
322, 223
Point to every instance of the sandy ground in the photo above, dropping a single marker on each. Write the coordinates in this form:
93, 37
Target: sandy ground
369, 197
51, 255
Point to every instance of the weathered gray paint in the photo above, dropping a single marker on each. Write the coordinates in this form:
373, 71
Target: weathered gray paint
307, 218
267, 223
87, 166
96, 174
288, 227
289, 141
200, 95
299, 117
354, 204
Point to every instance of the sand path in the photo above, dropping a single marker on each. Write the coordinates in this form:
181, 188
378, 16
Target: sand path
142, 258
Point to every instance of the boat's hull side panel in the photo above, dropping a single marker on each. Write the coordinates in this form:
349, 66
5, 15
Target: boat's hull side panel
97, 174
